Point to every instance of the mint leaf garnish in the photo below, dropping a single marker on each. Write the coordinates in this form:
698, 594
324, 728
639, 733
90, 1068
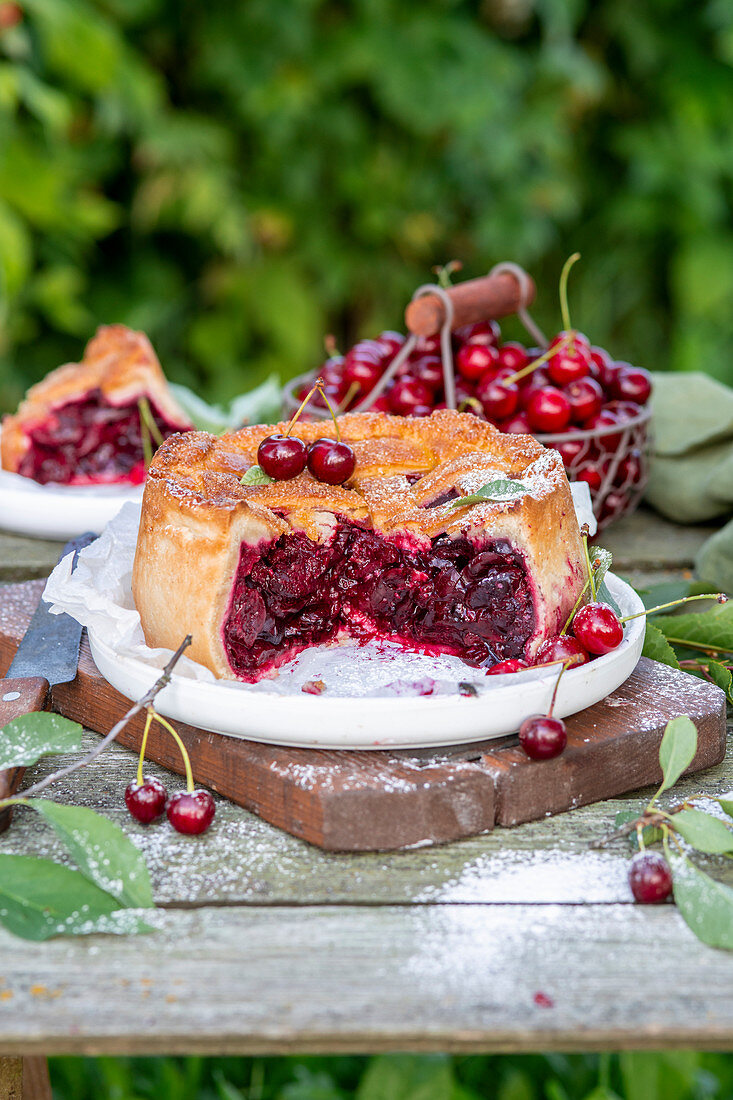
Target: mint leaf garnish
255, 475
499, 490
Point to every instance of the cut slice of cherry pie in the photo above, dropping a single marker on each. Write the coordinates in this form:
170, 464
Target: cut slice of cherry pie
258, 573
94, 422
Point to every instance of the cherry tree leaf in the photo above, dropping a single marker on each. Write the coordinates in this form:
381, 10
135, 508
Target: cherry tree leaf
658, 648
255, 475
705, 905
677, 750
726, 803
26, 739
502, 489
722, 676
40, 899
712, 629
102, 852
703, 831
601, 562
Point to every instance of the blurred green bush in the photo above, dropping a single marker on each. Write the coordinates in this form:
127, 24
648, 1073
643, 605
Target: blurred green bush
239, 178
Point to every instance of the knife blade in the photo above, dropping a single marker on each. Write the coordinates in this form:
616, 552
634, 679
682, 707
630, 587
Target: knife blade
48, 654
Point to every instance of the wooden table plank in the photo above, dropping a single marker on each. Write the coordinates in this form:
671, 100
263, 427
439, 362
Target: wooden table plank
244, 861
223, 981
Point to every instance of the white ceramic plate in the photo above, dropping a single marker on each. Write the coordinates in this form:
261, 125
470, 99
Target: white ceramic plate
366, 721
59, 511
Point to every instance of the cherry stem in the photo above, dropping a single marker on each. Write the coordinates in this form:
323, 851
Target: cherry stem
142, 704
571, 616
330, 409
564, 291
591, 578
350, 395
471, 403
719, 596
444, 272
318, 385
563, 670
143, 746
536, 362
186, 759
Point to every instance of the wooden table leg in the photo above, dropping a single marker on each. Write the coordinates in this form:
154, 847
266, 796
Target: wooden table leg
24, 1079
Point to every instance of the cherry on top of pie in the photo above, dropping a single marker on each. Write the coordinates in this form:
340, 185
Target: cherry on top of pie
257, 573
90, 423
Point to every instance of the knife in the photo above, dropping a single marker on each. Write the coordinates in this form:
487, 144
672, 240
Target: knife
48, 654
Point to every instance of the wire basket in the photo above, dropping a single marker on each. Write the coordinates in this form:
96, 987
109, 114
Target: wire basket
613, 460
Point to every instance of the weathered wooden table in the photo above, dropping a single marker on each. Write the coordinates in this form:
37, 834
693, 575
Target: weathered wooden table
523, 939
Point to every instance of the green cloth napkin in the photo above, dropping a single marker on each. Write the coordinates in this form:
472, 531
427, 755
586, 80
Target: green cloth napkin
692, 463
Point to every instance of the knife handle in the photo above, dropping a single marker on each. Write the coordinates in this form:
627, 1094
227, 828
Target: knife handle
20, 696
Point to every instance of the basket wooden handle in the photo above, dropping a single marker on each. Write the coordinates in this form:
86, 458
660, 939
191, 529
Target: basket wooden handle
475, 300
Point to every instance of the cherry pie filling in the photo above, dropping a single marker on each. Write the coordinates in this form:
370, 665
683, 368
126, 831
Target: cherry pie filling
90, 442
456, 597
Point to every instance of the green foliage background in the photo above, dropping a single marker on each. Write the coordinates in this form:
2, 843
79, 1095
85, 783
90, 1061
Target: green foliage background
240, 178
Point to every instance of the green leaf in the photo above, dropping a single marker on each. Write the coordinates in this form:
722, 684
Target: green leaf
500, 489
601, 561
703, 831
726, 803
603, 594
712, 629
658, 648
406, 1077
650, 833
262, 405
678, 747
722, 676
40, 899
26, 739
102, 852
255, 475
705, 905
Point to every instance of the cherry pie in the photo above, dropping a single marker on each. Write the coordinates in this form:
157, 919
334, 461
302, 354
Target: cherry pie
86, 423
257, 573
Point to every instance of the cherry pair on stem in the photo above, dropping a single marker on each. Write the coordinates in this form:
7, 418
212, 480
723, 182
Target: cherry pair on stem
190, 811
283, 457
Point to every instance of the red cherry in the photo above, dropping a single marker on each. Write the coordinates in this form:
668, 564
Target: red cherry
568, 364
473, 360
543, 737
391, 342
428, 370
586, 398
406, 393
380, 403
548, 410
426, 345
529, 385
563, 647
650, 878
575, 339
499, 398
421, 410
362, 372
147, 801
282, 456
482, 332
600, 423
624, 410
512, 355
632, 384
593, 474
191, 812
517, 424
630, 469
597, 627
331, 461
570, 449
614, 505
512, 664
601, 358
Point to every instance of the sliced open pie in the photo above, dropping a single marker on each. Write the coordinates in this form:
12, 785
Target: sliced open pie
91, 423
258, 573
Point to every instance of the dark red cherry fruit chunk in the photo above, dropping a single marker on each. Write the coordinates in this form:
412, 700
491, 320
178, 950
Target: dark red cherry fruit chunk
562, 648
512, 664
282, 456
650, 878
597, 627
543, 737
191, 812
331, 460
146, 801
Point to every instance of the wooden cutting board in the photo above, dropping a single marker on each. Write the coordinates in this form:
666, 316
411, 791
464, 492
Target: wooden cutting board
363, 801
